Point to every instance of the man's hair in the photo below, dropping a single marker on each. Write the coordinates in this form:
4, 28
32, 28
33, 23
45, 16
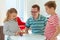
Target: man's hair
51, 4
36, 6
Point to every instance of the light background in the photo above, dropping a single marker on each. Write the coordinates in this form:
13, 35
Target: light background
24, 7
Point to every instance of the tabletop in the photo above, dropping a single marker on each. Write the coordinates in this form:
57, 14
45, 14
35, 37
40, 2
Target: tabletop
28, 37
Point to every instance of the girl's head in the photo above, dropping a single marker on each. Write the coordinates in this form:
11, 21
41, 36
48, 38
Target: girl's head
50, 6
11, 14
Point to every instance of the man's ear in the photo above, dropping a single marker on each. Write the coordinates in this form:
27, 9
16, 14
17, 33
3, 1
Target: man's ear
39, 11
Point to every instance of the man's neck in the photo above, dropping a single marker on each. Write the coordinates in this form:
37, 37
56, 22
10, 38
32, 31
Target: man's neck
36, 17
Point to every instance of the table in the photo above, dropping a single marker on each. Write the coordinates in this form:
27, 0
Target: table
28, 37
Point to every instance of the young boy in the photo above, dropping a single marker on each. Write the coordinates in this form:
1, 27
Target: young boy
10, 23
51, 30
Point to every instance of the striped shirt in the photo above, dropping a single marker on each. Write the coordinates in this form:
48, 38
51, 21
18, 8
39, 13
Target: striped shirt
51, 26
37, 25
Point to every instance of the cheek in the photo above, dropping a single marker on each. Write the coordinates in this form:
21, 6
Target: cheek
47, 11
11, 16
14, 15
32, 13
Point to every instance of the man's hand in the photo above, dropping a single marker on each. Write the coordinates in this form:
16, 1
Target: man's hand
26, 30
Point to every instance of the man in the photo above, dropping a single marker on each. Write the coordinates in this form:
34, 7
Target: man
36, 22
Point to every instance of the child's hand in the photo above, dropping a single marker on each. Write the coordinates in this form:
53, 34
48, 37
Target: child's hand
19, 33
53, 38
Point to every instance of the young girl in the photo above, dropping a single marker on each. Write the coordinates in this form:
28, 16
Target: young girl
51, 30
10, 23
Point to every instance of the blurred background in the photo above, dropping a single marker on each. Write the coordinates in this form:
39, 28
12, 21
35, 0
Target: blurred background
24, 7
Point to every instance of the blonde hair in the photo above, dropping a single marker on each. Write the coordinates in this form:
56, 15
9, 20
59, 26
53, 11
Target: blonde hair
10, 11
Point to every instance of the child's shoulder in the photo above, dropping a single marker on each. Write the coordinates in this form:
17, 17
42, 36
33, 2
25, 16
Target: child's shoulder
10, 21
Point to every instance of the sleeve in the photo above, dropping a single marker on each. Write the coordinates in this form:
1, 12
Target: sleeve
45, 21
27, 24
6, 29
54, 21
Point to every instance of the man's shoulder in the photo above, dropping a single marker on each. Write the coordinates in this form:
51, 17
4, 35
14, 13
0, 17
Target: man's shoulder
30, 18
43, 17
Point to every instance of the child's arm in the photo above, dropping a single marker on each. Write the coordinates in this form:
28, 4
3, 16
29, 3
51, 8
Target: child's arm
56, 33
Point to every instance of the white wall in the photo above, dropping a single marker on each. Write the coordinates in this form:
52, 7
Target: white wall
2, 11
24, 5
4, 6
7, 4
29, 3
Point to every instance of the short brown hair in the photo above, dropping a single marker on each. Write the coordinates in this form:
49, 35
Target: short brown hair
51, 4
36, 6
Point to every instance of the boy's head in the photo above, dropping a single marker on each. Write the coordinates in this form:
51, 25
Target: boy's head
50, 6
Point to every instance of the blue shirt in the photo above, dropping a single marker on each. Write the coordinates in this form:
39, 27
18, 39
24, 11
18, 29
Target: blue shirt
37, 25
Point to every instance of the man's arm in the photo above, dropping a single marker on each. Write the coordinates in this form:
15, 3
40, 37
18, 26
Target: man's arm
26, 30
27, 26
